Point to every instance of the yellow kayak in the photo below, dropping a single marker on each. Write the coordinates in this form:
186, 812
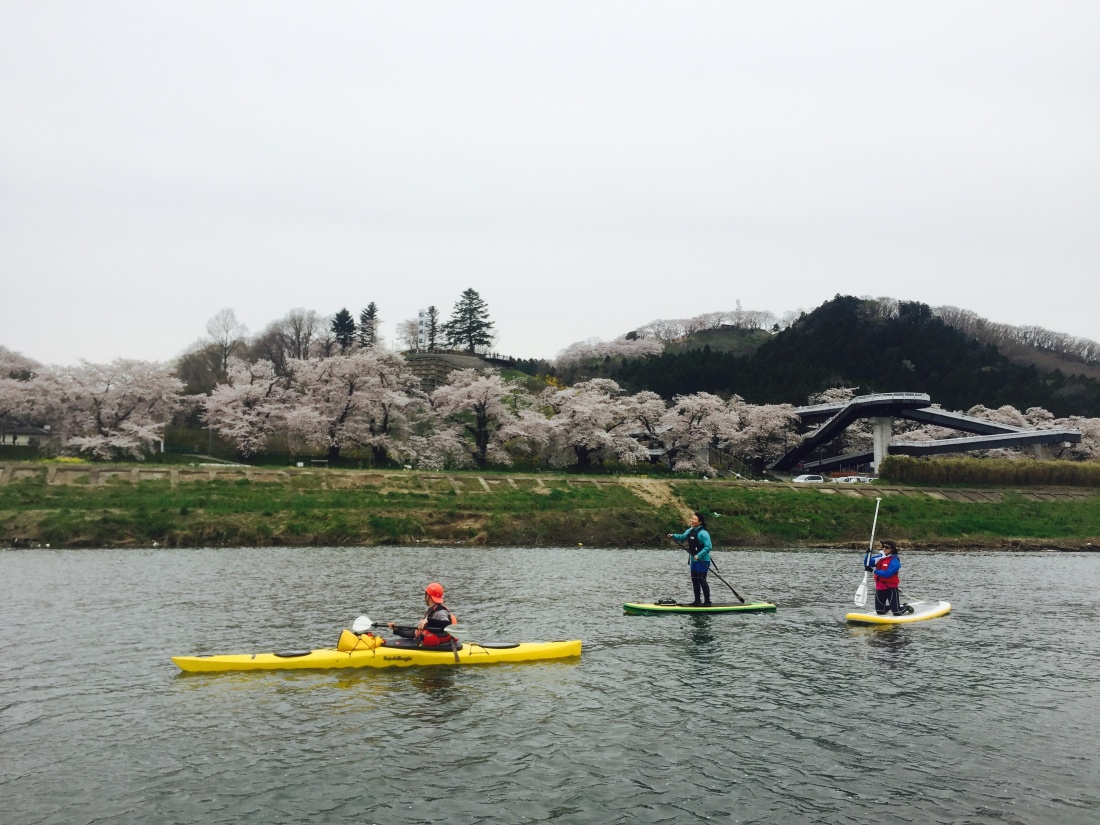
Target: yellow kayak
922, 611
363, 651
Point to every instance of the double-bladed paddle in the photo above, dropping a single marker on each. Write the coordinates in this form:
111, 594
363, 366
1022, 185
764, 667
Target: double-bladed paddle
364, 623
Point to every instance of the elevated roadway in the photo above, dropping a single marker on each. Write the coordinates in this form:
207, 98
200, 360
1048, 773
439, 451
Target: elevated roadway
883, 408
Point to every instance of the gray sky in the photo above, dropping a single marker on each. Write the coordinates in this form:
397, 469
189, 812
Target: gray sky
587, 167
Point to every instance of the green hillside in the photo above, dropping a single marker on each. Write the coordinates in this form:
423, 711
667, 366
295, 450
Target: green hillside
850, 342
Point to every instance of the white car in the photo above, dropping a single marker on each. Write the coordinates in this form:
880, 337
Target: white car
808, 480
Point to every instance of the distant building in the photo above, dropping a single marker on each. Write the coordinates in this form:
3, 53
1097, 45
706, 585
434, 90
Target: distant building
22, 436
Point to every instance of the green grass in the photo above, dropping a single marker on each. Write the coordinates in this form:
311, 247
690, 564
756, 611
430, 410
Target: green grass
405, 508
795, 516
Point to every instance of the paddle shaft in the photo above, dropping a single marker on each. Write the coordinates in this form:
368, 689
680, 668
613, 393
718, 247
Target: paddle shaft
861, 591
874, 524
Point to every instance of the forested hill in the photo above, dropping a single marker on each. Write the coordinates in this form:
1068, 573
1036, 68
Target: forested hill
851, 342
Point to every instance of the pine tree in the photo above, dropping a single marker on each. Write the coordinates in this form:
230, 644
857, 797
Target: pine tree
469, 327
343, 328
433, 328
368, 326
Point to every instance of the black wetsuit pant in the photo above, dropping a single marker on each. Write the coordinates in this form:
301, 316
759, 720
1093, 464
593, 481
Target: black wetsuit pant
888, 600
699, 584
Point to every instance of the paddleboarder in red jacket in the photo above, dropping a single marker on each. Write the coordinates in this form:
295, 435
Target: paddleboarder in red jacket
888, 583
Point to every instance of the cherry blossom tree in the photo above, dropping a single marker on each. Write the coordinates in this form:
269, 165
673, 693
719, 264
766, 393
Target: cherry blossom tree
17, 366
111, 410
249, 407
1089, 447
1002, 415
475, 411
674, 330
756, 434
19, 389
592, 420
367, 399
594, 348
682, 431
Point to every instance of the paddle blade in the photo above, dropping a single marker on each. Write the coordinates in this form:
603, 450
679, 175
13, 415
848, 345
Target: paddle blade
361, 625
861, 595
455, 630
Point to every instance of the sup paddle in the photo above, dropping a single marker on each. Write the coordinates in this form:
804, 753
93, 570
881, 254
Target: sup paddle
714, 564
861, 591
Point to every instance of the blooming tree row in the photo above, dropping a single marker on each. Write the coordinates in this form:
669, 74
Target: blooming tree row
103, 410
369, 402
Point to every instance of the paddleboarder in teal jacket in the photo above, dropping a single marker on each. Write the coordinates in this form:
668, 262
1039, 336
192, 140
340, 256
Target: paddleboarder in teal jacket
699, 546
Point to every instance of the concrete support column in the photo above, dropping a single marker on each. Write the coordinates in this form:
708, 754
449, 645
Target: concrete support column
882, 430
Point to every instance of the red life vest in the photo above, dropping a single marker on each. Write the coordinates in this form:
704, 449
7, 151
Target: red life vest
432, 635
882, 583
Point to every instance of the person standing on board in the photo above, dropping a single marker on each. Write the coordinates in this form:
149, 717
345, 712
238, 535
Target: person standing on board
430, 631
887, 566
699, 547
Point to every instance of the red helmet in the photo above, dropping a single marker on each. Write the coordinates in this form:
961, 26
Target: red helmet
435, 592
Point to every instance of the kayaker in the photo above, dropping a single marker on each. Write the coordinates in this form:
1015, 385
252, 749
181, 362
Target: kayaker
429, 631
699, 547
887, 567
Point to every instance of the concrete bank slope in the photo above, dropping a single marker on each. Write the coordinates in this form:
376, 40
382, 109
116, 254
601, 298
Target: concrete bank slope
86, 505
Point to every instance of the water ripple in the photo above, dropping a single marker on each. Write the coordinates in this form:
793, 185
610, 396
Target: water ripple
989, 715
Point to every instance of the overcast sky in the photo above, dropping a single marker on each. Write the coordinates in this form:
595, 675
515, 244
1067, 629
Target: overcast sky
586, 167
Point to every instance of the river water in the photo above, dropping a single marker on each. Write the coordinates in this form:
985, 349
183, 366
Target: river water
990, 715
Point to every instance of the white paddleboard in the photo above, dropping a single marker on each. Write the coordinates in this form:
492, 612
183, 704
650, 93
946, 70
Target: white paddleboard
922, 611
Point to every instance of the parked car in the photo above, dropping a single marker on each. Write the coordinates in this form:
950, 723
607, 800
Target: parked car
808, 480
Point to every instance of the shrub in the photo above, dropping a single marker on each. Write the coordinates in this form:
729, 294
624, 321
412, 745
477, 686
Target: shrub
908, 470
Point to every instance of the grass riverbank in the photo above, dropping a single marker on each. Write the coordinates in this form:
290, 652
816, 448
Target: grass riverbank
113, 506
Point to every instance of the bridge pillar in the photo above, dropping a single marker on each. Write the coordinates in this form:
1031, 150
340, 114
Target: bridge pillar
882, 430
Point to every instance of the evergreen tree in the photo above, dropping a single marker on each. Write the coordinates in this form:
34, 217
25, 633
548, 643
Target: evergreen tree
433, 328
368, 326
343, 329
469, 327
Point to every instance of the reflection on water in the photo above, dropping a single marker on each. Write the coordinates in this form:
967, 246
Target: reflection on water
893, 638
702, 631
676, 718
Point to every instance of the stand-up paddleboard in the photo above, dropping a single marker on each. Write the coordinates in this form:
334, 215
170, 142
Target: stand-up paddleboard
649, 609
922, 611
